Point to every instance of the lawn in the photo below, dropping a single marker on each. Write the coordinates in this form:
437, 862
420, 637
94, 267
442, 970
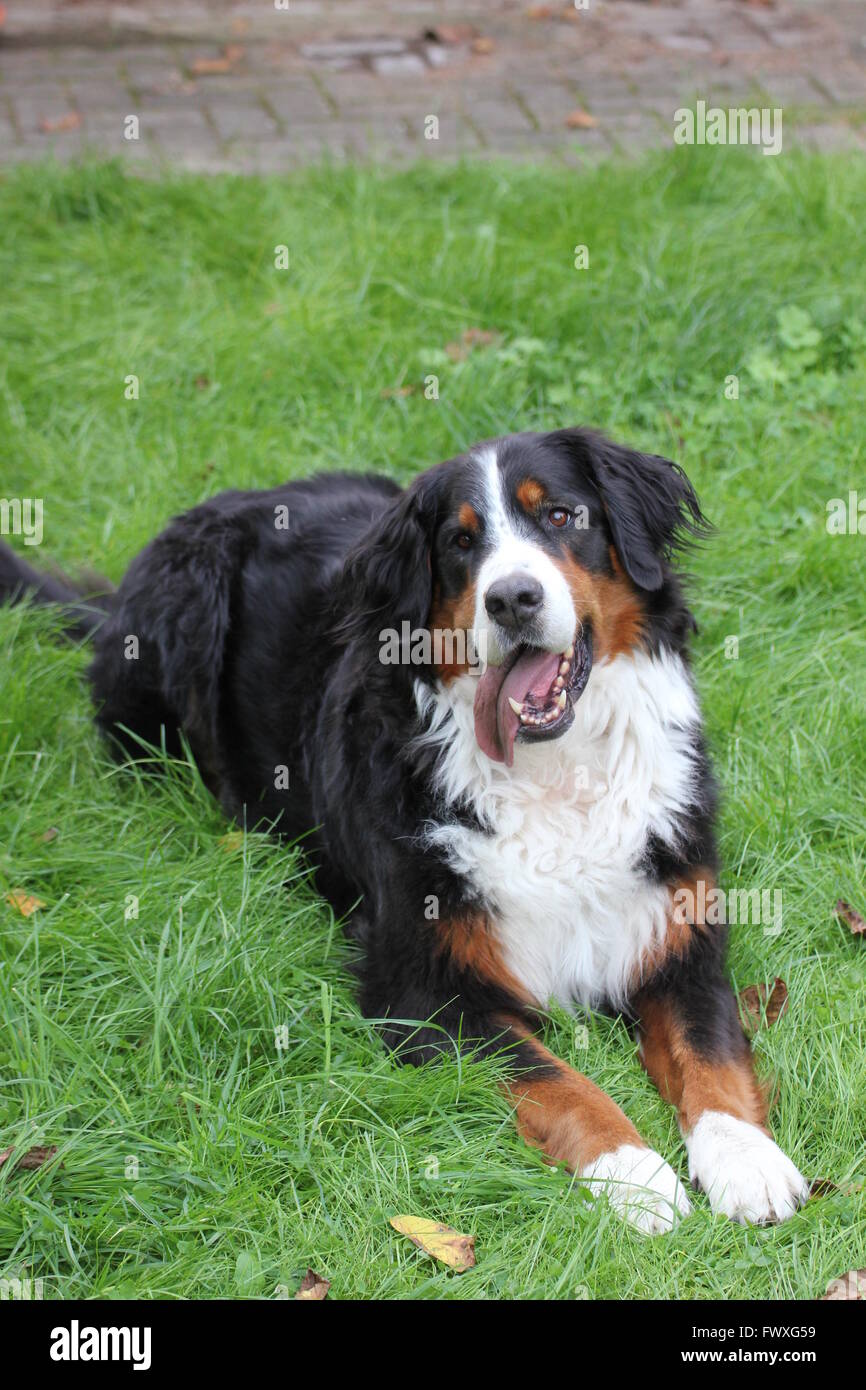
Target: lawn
143, 1004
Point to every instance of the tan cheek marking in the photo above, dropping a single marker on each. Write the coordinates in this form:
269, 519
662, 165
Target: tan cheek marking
472, 946
612, 603
530, 495
456, 616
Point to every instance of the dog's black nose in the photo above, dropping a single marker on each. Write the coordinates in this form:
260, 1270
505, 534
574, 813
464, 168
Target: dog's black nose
514, 601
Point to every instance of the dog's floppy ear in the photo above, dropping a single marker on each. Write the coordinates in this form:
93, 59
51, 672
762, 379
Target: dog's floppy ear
651, 506
387, 578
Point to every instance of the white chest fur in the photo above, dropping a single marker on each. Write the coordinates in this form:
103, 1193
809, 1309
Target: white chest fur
568, 823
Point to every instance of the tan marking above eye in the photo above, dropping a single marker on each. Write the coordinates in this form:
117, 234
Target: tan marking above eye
530, 494
468, 517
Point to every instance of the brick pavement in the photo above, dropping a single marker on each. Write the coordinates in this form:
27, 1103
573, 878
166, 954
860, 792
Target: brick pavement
252, 86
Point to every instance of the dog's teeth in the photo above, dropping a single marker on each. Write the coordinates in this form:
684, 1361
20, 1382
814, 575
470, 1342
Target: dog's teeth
569, 653
560, 704
518, 709
558, 684
564, 668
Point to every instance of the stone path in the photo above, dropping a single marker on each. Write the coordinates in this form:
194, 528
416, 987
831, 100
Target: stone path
265, 85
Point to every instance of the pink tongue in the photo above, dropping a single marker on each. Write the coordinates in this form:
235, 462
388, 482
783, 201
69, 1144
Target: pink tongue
496, 724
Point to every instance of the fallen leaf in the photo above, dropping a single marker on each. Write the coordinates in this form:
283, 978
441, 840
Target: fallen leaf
390, 392
444, 1244
207, 67
31, 1158
24, 902
540, 12
471, 338
483, 45
822, 1187
580, 120
313, 1287
848, 1286
51, 125
48, 835
202, 382
234, 840
451, 33
764, 1006
850, 915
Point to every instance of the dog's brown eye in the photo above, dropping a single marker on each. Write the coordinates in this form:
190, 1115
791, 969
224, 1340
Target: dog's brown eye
464, 540
558, 516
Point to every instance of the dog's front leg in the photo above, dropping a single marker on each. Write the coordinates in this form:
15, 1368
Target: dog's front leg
574, 1122
694, 1049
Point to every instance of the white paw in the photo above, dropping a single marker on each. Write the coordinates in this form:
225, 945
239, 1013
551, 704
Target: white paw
640, 1187
743, 1172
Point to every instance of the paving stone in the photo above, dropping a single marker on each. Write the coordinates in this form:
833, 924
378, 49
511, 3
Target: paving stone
687, 43
399, 65
247, 121
351, 48
356, 77
294, 98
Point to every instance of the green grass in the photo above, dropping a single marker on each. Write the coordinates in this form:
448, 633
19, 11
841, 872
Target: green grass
150, 1040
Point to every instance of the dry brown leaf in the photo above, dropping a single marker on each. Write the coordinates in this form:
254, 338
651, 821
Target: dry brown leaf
51, 125
207, 67
764, 1006
31, 1158
483, 45
313, 1288
471, 338
848, 1286
580, 120
390, 392
25, 903
822, 1187
202, 382
48, 835
850, 915
442, 1242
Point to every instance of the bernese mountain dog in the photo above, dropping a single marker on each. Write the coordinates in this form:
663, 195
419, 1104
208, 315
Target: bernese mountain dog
472, 698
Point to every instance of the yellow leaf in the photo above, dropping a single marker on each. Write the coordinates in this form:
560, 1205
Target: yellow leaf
234, 840
444, 1244
24, 902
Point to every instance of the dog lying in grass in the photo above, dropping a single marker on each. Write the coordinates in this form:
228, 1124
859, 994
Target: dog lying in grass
524, 816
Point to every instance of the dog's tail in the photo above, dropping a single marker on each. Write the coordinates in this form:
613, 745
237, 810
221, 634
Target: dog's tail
84, 603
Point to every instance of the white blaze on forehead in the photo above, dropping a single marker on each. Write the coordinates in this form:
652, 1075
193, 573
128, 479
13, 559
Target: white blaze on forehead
510, 549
